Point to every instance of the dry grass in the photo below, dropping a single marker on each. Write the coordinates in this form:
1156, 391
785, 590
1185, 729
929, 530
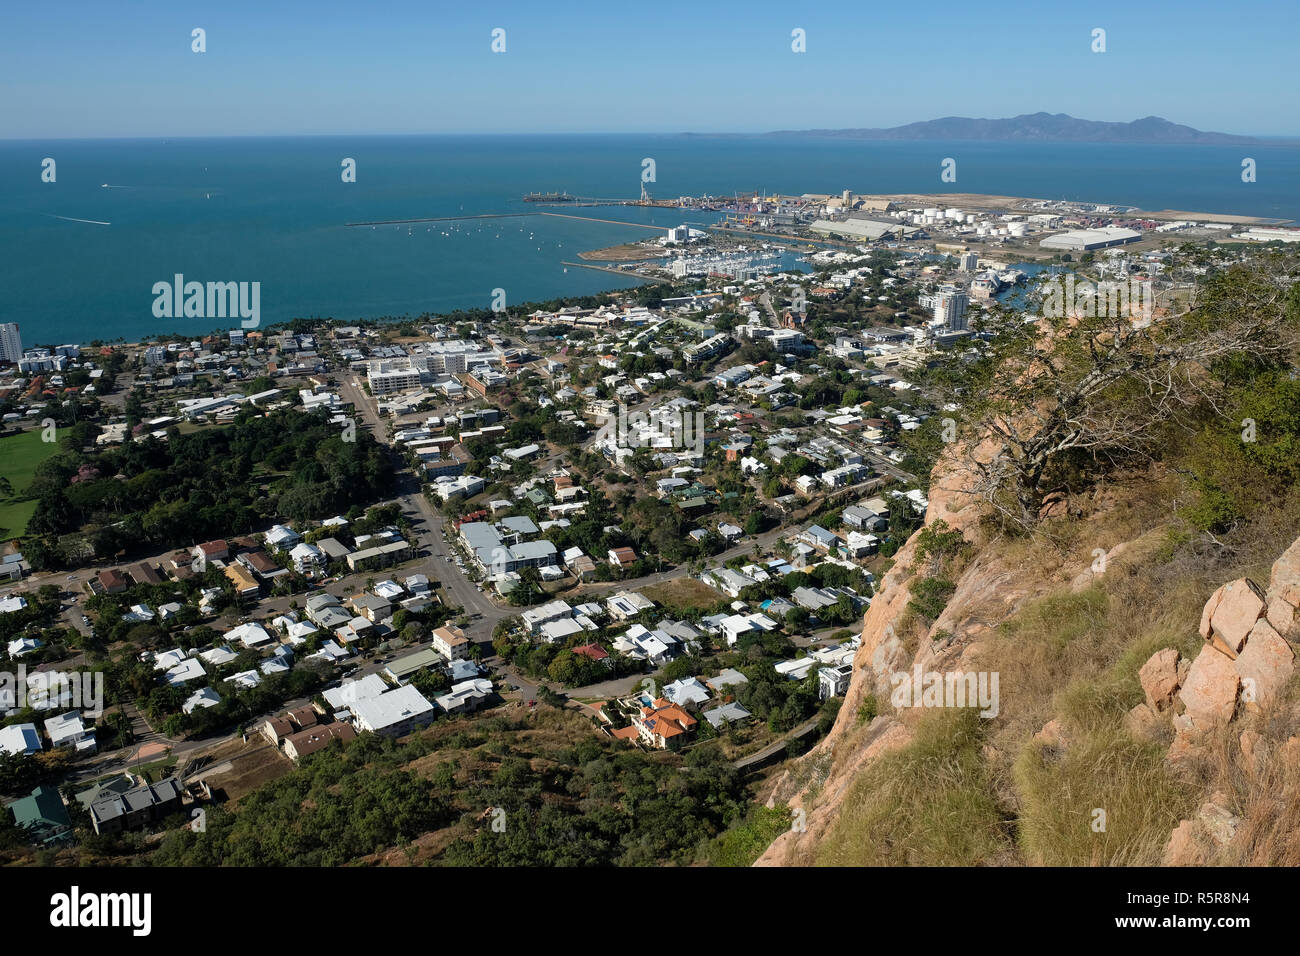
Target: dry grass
929, 804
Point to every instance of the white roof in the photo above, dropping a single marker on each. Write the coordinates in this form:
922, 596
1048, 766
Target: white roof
687, 691
187, 670
64, 727
169, 659
250, 634
203, 697
218, 656
20, 739
350, 691
391, 707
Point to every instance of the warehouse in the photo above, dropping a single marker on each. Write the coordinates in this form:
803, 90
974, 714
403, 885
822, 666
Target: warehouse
1081, 240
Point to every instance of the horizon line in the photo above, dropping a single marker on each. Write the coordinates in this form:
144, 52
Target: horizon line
1279, 138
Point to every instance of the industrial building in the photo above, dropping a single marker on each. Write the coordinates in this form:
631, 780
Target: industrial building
1081, 240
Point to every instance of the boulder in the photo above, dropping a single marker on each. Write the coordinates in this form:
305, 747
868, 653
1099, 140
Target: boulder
1207, 613
1281, 615
1196, 842
1284, 581
1053, 735
1185, 847
1220, 823
1240, 606
1265, 665
1210, 693
1142, 722
1159, 678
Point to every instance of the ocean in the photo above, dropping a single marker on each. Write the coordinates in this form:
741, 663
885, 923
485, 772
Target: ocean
274, 211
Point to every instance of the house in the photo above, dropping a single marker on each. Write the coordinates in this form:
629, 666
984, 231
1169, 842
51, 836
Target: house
282, 538
333, 549
796, 669
467, 696
42, 815
203, 697
451, 642
820, 538
351, 691
579, 564
627, 604
304, 742
372, 607
250, 634
687, 692
859, 545
137, 807
326, 611
735, 625
275, 729
184, 672
727, 678
112, 581
211, 551
307, 558
145, 573
68, 730
463, 670
728, 713
260, 563
640, 643
24, 645
664, 725
245, 584
813, 599
403, 667
554, 632
20, 739
834, 681
393, 713
358, 628
622, 557
864, 519
727, 580
534, 618
596, 653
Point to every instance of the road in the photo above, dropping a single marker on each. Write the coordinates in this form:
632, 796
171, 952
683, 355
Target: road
777, 746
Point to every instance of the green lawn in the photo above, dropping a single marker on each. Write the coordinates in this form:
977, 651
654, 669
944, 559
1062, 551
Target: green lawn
19, 456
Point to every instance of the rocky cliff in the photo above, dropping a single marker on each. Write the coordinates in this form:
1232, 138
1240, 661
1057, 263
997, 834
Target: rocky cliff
1120, 735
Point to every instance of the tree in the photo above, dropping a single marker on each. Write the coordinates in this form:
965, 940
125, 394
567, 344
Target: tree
1048, 405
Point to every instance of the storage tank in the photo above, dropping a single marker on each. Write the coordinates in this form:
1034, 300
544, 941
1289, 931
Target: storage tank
931, 213
953, 213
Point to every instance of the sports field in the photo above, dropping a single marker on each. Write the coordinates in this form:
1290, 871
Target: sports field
19, 456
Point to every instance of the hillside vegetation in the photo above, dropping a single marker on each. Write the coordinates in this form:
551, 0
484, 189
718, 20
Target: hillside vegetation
1108, 477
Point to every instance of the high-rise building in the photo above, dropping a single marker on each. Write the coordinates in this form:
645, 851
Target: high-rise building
970, 261
11, 343
950, 308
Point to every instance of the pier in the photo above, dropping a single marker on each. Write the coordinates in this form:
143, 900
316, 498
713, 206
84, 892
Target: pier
482, 215
615, 222
617, 272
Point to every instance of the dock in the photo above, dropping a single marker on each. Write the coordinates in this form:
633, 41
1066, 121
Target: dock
617, 272
482, 215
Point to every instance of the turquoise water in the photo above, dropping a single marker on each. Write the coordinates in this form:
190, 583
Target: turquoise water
273, 211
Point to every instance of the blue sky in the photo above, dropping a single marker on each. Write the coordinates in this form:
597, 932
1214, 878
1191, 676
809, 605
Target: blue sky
90, 68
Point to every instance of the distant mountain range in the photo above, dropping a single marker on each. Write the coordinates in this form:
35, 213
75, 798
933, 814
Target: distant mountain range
1037, 127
